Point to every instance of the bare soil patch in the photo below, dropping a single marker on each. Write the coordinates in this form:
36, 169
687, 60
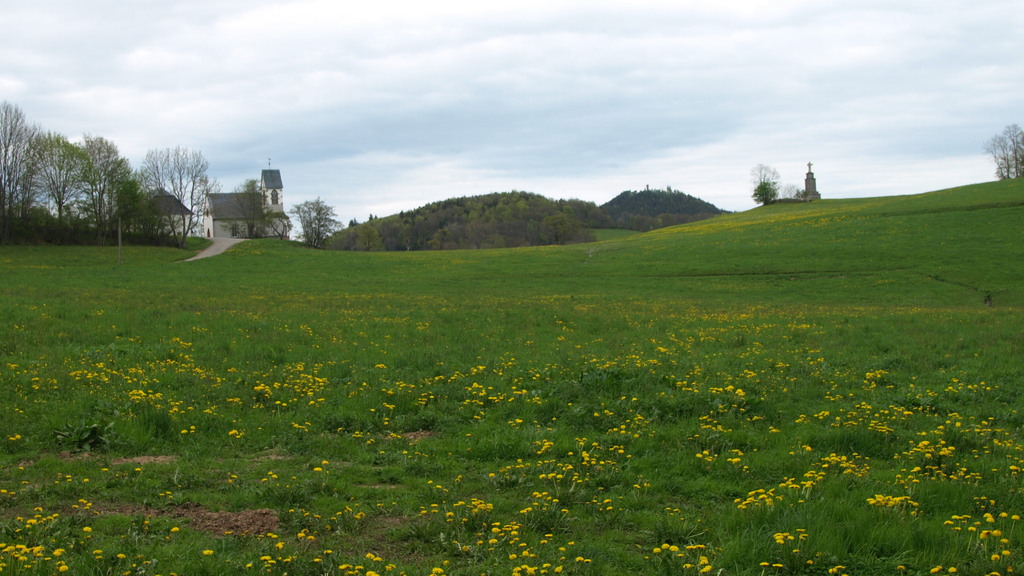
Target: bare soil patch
245, 522
418, 435
216, 522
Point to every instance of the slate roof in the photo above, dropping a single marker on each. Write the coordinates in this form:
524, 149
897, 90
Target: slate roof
272, 180
167, 204
225, 205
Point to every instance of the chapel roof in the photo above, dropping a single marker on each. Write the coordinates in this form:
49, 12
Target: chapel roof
272, 180
225, 205
169, 205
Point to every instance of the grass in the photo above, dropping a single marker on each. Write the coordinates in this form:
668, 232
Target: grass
798, 389
602, 234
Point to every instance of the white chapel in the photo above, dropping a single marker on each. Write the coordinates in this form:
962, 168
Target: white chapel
232, 215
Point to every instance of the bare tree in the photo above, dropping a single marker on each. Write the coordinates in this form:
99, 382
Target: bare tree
317, 221
16, 135
791, 191
180, 173
57, 169
105, 173
1007, 151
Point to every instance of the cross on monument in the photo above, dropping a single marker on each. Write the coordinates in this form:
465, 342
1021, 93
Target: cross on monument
808, 166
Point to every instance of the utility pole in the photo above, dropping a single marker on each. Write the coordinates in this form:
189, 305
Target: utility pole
120, 260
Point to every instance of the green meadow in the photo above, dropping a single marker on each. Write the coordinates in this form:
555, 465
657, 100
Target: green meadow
824, 388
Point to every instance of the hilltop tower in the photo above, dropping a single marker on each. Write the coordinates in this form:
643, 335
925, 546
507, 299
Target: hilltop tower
810, 186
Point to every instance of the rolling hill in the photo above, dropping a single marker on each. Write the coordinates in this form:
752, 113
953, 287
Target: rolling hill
960, 243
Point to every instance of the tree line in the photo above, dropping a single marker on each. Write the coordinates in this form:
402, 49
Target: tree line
53, 190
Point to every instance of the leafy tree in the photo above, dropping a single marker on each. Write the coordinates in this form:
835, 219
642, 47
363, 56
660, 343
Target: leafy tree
316, 220
766, 184
134, 213
766, 192
16, 135
57, 170
368, 239
278, 224
560, 227
1007, 151
181, 173
105, 173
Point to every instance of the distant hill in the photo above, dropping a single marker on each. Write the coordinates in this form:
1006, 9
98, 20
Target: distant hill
513, 219
649, 209
497, 220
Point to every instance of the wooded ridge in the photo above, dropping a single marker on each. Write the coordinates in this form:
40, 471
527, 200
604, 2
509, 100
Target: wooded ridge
516, 218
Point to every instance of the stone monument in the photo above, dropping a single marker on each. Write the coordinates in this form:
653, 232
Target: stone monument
810, 186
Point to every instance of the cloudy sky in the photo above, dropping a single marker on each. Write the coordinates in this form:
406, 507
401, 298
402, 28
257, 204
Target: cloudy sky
379, 106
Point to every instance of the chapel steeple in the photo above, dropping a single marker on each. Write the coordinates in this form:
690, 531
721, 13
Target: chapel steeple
270, 184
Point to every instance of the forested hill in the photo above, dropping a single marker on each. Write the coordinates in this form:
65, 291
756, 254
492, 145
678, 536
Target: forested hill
498, 220
511, 219
650, 209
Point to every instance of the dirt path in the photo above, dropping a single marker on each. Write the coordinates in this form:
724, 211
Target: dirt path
219, 245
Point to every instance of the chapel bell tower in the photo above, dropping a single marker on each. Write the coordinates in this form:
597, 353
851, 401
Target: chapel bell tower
270, 184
